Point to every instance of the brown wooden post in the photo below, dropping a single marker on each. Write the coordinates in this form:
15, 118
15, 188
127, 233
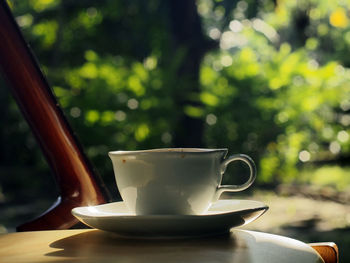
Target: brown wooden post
73, 173
327, 250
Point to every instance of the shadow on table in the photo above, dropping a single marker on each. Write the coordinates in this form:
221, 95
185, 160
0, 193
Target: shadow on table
99, 246
236, 246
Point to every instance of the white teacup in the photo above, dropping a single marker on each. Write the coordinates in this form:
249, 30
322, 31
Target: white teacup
175, 180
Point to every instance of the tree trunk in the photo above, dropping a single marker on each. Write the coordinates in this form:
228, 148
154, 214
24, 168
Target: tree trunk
189, 46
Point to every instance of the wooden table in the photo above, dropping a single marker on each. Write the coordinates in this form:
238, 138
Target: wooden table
97, 246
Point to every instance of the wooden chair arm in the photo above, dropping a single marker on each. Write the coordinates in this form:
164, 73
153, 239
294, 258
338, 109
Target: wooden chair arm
327, 250
77, 182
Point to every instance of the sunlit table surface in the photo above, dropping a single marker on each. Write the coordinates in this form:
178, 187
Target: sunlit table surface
91, 245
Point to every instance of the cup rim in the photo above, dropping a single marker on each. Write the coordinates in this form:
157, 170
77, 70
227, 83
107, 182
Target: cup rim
169, 150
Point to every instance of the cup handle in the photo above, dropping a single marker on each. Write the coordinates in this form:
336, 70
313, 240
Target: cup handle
236, 188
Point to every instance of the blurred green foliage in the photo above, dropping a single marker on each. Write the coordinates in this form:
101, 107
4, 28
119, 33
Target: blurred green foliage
327, 176
275, 87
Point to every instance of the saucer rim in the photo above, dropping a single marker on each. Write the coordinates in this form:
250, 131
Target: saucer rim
263, 206
173, 226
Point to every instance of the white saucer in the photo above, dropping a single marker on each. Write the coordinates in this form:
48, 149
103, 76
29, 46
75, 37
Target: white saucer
220, 218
